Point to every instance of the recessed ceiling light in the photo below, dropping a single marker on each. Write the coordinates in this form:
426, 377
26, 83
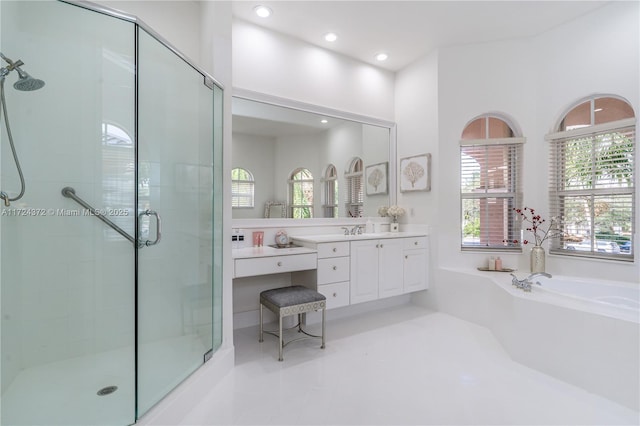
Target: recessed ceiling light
262, 11
331, 37
324, 121
382, 57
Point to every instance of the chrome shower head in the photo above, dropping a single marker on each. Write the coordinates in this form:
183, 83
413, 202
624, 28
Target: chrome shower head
26, 83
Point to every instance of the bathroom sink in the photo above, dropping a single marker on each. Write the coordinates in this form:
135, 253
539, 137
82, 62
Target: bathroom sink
341, 237
290, 245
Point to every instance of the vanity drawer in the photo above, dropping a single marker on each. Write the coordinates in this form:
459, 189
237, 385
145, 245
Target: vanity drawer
274, 264
333, 269
415, 243
337, 294
333, 249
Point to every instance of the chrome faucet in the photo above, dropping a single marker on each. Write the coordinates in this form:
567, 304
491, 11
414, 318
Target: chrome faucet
356, 230
346, 230
525, 284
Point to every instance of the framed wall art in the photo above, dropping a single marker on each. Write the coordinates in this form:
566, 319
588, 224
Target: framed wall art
415, 173
377, 179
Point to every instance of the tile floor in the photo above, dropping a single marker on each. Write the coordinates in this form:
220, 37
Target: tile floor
400, 366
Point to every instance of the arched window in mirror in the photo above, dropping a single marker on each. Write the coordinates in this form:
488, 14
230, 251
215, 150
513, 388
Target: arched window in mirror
490, 163
591, 179
355, 189
301, 194
242, 189
330, 201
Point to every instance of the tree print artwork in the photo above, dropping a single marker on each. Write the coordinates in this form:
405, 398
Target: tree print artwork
413, 172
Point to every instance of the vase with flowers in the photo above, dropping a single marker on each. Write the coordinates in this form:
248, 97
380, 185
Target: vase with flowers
542, 231
394, 212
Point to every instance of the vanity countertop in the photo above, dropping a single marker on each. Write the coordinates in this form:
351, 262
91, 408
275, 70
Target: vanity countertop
266, 251
339, 237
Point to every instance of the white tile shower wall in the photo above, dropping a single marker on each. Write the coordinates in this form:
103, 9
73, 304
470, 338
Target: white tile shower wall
75, 278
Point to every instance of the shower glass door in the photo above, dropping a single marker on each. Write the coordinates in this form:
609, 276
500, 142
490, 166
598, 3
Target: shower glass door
175, 210
67, 279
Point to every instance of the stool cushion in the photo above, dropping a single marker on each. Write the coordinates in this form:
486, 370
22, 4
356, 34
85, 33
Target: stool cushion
291, 296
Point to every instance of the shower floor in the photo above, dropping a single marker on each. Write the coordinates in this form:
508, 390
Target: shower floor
65, 392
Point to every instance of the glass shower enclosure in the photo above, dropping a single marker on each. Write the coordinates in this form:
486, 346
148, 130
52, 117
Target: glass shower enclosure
110, 260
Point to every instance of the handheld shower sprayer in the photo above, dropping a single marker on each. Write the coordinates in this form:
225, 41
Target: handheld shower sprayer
25, 83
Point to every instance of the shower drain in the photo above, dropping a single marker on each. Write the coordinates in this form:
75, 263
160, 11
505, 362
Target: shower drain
107, 390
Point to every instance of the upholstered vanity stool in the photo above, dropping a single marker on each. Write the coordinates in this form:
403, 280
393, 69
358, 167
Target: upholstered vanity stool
287, 301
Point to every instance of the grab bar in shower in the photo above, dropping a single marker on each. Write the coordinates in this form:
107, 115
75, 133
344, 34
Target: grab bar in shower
69, 192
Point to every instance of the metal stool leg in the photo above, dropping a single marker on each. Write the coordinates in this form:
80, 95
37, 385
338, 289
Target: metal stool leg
261, 338
280, 339
323, 312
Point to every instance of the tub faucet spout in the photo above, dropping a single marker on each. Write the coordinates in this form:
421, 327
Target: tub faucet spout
538, 274
525, 284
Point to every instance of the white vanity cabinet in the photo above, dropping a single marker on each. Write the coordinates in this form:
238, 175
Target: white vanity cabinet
376, 269
362, 268
331, 278
415, 264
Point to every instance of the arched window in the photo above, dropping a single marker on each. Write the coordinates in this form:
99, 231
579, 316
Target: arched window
330, 201
301, 194
490, 159
355, 189
591, 182
242, 189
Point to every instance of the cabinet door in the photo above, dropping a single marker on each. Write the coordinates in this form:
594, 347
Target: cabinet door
415, 270
390, 267
364, 271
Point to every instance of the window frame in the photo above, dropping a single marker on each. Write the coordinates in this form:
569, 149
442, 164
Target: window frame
247, 195
330, 193
592, 136
293, 181
513, 195
354, 177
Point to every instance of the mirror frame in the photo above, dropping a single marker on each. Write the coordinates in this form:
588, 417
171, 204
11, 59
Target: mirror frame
329, 112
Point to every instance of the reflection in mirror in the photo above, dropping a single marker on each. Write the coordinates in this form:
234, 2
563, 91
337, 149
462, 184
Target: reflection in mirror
277, 143
275, 209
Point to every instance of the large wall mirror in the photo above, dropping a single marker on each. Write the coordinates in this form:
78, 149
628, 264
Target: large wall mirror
296, 160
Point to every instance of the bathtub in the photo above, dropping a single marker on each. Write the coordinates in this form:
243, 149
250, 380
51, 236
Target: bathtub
611, 298
581, 331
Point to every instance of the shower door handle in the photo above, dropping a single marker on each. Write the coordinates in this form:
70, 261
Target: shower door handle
149, 243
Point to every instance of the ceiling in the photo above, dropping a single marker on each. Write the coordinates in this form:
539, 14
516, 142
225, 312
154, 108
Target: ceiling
261, 119
408, 30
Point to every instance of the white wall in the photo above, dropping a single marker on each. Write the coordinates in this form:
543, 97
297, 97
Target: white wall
271, 63
596, 54
505, 84
257, 155
177, 21
531, 80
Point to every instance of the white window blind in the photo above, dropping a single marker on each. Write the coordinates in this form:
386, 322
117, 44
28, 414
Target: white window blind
242, 189
355, 189
490, 189
592, 188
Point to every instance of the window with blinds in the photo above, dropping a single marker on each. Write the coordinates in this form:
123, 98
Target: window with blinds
592, 181
490, 164
242, 189
355, 188
301, 194
330, 199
